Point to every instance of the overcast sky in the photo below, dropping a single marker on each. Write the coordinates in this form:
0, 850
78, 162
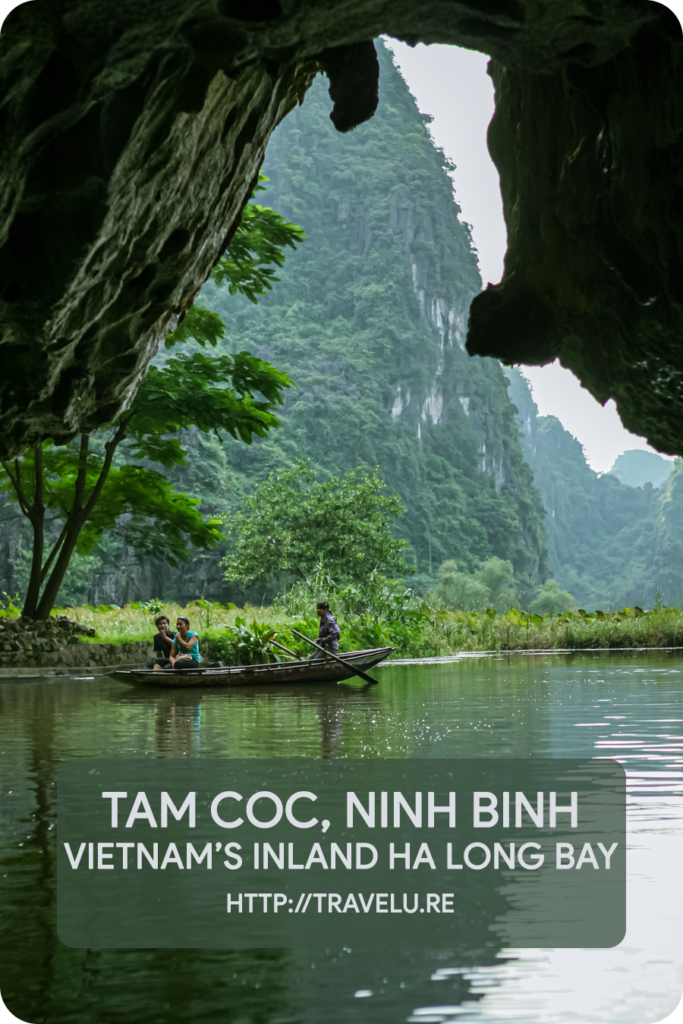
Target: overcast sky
452, 85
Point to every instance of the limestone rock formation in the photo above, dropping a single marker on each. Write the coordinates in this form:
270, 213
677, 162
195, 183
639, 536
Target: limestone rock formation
592, 180
611, 543
131, 135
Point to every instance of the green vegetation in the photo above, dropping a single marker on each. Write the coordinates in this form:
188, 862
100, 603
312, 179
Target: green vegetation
292, 521
490, 586
609, 545
256, 248
636, 468
552, 598
87, 492
72, 494
369, 319
517, 630
387, 615
10, 607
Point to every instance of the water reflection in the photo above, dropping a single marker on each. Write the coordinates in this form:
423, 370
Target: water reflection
177, 718
614, 704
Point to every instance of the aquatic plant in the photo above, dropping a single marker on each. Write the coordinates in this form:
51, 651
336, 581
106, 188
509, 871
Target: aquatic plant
244, 644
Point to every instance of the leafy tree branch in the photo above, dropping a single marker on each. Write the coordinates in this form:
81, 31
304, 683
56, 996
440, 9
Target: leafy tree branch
105, 481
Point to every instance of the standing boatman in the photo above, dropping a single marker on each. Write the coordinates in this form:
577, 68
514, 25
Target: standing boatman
328, 632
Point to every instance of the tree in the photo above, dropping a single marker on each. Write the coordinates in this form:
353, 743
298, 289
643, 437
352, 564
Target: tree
551, 598
292, 522
498, 576
84, 488
490, 586
257, 246
459, 590
72, 494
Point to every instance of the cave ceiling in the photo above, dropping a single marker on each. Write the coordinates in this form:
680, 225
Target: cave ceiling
131, 135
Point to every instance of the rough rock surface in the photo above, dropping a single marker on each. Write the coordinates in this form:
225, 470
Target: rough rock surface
591, 166
57, 648
56, 644
131, 135
76, 657
23, 635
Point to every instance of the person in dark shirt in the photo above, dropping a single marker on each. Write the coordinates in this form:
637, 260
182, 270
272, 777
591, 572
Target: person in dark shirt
162, 642
328, 631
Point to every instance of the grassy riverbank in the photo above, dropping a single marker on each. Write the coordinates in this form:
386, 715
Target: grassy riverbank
397, 619
516, 631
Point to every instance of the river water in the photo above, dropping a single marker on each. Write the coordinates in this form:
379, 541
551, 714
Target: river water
619, 704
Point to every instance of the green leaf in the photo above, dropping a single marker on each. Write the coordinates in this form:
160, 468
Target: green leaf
257, 246
197, 324
235, 395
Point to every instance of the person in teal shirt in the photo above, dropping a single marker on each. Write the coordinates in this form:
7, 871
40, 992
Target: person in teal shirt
185, 650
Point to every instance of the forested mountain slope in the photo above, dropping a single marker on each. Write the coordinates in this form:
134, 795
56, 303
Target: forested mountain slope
609, 544
369, 318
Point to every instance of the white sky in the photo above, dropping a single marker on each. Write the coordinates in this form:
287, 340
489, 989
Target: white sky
452, 85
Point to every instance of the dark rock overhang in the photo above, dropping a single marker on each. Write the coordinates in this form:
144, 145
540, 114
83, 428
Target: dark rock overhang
132, 134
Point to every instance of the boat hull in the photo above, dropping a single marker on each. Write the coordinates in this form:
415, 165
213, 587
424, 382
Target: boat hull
285, 673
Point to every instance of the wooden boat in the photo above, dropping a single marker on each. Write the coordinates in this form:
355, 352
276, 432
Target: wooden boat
283, 673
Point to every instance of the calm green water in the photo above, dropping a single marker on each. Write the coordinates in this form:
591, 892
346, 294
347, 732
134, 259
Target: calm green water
628, 706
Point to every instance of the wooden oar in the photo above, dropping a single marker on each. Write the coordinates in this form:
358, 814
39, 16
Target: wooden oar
283, 648
346, 664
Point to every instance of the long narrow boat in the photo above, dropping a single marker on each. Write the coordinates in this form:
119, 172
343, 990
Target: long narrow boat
280, 672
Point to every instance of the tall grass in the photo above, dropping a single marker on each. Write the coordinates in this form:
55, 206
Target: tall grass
136, 622
384, 614
515, 630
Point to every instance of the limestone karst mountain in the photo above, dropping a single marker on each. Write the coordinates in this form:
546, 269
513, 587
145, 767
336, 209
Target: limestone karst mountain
637, 468
609, 544
370, 318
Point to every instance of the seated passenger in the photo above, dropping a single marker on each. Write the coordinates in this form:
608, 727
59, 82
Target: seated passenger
185, 650
162, 643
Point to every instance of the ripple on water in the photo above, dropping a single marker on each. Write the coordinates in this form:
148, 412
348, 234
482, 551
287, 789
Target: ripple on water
615, 704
